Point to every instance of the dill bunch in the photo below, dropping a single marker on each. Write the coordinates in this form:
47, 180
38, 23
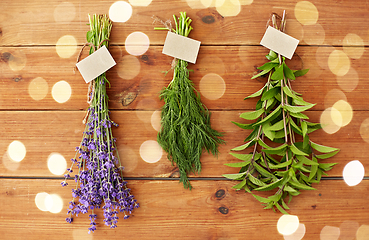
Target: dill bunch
185, 121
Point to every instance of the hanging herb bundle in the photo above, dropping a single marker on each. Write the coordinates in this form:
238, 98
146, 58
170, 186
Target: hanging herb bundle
185, 121
291, 165
99, 180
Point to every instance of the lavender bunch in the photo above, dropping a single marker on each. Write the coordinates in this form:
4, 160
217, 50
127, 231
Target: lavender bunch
99, 180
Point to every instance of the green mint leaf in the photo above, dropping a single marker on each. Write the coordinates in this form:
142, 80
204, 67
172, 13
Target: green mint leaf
299, 73
244, 146
252, 115
270, 186
297, 109
256, 94
322, 149
288, 72
261, 199
235, 176
327, 155
243, 125
240, 185
278, 73
270, 93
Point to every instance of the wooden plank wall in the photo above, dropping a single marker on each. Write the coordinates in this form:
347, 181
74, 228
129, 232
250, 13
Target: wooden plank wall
37, 111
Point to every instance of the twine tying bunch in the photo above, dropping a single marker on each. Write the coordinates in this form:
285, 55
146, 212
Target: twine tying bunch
168, 25
274, 17
91, 85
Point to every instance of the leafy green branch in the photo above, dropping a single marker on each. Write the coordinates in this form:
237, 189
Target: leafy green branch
283, 157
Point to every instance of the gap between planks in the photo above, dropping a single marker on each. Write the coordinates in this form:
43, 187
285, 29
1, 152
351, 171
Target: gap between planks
154, 178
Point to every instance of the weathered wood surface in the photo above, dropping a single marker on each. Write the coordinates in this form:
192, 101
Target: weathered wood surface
235, 64
212, 210
29, 32
34, 22
44, 133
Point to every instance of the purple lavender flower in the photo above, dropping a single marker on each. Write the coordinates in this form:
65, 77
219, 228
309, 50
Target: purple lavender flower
99, 179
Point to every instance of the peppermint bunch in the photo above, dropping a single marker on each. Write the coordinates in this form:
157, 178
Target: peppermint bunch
282, 160
99, 180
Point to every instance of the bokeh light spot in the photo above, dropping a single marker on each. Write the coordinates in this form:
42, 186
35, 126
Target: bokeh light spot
229, 8
349, 82
66, 46
345, 110
338, 63
128, 158
17, 151
362, 233
353, 46
17, 60
61, 91
336, 117
53, 203
140, 3
348, 230
294, 29
40, 201
288, 224
155, 120
137, 43
38, 88
150, 151
212, 86
333, 96
306, 13
298, 235
198, 4
64, 12
56, 164
9, 163
330, 233
246, 2
322, 55
128, 67
120, 11
146, 104
314, 34
364, 130
328, 125
353, 173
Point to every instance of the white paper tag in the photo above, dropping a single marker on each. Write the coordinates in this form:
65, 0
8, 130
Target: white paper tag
279, 42
95, 64
181, 47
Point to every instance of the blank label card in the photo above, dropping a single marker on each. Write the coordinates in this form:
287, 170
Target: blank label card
95, 64
181, 47
279, 42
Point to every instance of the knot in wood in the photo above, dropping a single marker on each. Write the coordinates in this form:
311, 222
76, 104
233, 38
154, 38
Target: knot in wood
5, 56
208, 19
223, 210
220, 193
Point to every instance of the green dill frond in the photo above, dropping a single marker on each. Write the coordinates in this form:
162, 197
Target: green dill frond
185, 121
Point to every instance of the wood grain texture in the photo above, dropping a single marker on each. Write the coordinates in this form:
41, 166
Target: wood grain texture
44, 133
212, 210
230, 50
34, 22
234, 64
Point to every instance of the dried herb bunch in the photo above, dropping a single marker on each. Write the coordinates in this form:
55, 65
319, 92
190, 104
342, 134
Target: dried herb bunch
292, 165
185, 121
99, 180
